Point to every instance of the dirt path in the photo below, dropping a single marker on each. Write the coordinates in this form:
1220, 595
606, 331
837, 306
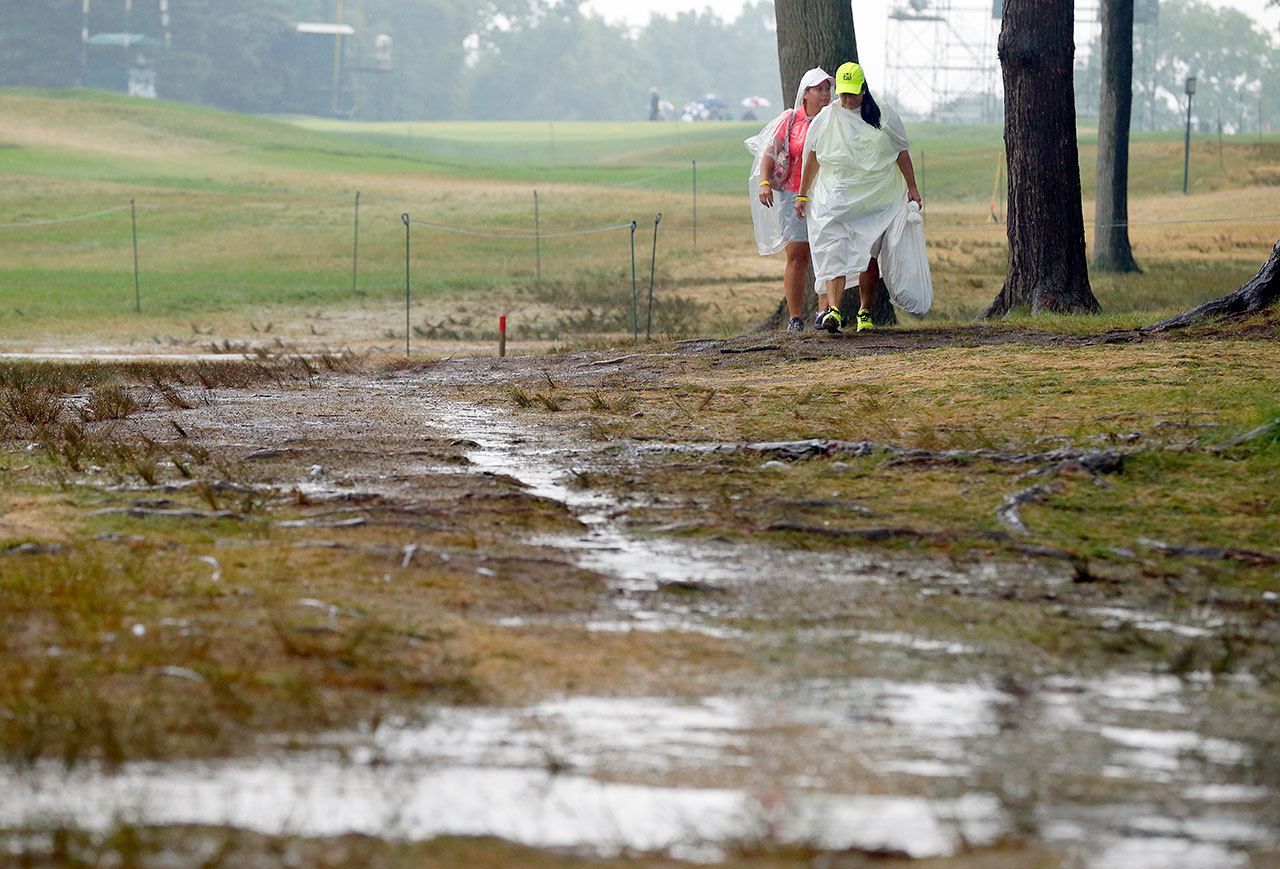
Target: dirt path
879, 713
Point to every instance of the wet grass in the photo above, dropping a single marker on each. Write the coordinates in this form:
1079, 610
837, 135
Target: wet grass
162, 596
141, 653
1172, 407
1012, 397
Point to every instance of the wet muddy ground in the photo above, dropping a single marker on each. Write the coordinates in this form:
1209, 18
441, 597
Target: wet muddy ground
653, 673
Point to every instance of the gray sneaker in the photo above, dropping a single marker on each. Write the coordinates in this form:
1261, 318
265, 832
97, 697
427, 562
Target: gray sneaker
796, 325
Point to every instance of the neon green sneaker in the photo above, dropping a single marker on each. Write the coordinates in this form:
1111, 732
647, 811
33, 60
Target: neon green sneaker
864, 320
831, 320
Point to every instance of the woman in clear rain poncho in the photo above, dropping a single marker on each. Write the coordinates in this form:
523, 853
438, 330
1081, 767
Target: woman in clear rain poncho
775, 177
858, 192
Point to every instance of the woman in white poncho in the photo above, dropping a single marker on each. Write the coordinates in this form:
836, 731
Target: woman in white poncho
855, 190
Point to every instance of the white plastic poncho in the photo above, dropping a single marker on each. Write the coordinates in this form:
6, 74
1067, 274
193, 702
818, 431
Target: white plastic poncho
769, 238
859, 198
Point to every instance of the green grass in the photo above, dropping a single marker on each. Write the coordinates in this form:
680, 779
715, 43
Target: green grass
240, 212
1015, 399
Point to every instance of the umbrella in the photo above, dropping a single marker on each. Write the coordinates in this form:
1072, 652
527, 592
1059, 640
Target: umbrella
754, 102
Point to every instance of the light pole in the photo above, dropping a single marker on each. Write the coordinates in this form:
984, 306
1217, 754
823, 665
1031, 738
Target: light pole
1186, 154
337, 59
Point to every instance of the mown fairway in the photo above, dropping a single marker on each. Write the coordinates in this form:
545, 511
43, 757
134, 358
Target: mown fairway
246, 222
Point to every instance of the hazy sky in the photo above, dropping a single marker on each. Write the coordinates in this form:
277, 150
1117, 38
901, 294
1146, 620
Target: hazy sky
869, 16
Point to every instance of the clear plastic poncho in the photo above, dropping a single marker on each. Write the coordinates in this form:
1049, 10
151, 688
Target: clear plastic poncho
769, 238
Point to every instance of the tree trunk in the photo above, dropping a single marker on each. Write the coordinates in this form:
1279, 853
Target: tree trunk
1111, 250
817, 33
1047, 269
812, 33
1261, 291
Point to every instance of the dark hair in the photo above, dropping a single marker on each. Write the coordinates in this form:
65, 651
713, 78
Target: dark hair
870, 111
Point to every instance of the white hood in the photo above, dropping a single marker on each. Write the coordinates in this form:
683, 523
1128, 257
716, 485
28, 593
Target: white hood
814, 76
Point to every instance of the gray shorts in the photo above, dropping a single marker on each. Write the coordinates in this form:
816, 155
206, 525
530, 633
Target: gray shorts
793, 228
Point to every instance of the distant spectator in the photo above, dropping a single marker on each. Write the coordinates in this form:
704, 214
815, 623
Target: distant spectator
655, 105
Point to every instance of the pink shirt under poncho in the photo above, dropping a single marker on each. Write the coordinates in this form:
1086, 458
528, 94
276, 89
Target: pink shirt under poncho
799, 128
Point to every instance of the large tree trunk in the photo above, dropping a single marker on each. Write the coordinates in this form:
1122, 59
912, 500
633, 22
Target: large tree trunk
812, 33
1111, 250
1261, 291
1047, 269
817, 33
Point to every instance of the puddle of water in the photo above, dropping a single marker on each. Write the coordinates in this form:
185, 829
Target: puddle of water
558, 774
606, 774
580, 733
310, 798
72, 356
1116, 616
637, 566
530, 807
1157, 852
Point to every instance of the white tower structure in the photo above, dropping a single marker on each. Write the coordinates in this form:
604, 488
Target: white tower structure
940, 55
940, 59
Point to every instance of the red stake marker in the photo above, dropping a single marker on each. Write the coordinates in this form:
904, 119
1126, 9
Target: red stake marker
502, 335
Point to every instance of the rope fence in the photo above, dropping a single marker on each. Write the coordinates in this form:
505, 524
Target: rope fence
60, 220
527, 236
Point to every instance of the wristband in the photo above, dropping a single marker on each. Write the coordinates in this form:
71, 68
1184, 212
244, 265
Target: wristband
764, 182
802, 199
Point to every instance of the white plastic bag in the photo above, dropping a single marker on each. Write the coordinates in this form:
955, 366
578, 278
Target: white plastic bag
904, 262
769, 238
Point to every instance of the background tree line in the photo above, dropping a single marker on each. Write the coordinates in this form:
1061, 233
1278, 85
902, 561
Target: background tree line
545, 59
1236, 64
508, 59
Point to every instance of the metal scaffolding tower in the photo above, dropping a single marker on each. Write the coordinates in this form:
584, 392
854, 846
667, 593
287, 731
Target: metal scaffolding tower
940, 59
940, 55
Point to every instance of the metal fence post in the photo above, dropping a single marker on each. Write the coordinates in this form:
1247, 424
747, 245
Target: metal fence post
137, 278
635, 297
537, 242
355, 250
695, 204
405, 218
653, 263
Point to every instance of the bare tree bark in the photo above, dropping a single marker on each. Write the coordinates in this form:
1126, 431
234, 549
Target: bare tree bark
812, 33
817, 33
1259, 292
1111, 249
1047, 270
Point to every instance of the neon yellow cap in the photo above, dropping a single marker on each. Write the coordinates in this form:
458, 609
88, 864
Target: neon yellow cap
850, 78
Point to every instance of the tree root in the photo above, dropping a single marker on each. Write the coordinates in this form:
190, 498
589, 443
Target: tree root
756, 348
147, 513
1261, 431
1095, 461
1218, 553
35, 549
1258, 293
1008, 512
871, 534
